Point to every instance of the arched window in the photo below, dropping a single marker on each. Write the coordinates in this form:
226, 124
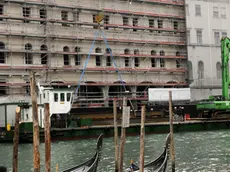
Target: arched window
44, 56
190, 70
108, 50
153, 53
177, 53
77, 49
28, 46
162, 53
200, 70
2, 54
66, 56
218, 70
136, 51
77, 56
28, 55
126, 51
178, 64
98, 50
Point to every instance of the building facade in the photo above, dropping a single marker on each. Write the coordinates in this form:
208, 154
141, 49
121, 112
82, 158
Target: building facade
207, 22
54, 37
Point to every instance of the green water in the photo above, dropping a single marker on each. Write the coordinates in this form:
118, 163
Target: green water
195, 151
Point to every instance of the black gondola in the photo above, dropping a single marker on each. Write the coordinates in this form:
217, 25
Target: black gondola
159, 164
91, 164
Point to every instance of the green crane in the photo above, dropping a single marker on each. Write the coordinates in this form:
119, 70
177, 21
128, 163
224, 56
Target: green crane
216, 105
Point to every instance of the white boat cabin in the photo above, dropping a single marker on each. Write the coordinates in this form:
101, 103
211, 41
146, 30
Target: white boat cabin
60, 101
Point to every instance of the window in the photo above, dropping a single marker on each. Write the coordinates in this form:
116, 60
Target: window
126, 62
162, 62
188, 36
162, 53
94, 20
217, 38
199, 36
136, 52
64, 15
218, 70
77, 56
153, 53
136, 62
198, 10
178, 64
215, 12
68, 97
62, 97
108, 61
177, 53
28, 56
106, 21
160, 23
153, 62
1, 9
187, 9
224, 34
200, 70
126, 51
66, 56
223, 12
175, 25
56, 97
26, 12
125, 21
135, 23
98, 60
190, 70
43, 14
151, 24
2, 54
44, 56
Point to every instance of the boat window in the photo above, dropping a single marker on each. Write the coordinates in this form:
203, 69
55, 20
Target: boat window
68, 97
56, 97
62, 97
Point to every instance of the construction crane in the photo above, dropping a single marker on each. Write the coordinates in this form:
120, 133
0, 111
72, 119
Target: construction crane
219, 104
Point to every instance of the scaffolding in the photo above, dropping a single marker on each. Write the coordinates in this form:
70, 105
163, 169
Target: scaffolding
147, 39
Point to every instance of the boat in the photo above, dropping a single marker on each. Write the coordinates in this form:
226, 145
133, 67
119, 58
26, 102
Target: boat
91, 164
157, 165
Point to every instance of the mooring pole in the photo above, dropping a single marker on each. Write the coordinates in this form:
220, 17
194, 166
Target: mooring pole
47, 137
115, 134
142, 139
16, 139
171, 133
36, 155
122, 141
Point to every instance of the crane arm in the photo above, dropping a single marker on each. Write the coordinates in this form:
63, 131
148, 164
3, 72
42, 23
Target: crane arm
225, 49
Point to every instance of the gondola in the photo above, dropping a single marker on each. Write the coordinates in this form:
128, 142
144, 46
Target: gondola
91, 164
159, 164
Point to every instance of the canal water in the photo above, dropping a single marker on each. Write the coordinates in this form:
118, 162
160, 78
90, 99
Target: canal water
195, 151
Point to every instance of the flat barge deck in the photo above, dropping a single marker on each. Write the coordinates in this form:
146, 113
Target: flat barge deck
74, 133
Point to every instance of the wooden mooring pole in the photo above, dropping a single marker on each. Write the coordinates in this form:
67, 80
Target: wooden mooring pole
115, 135
16, 139
36, 154
47, 137
122, 140
172, 151
142, 139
